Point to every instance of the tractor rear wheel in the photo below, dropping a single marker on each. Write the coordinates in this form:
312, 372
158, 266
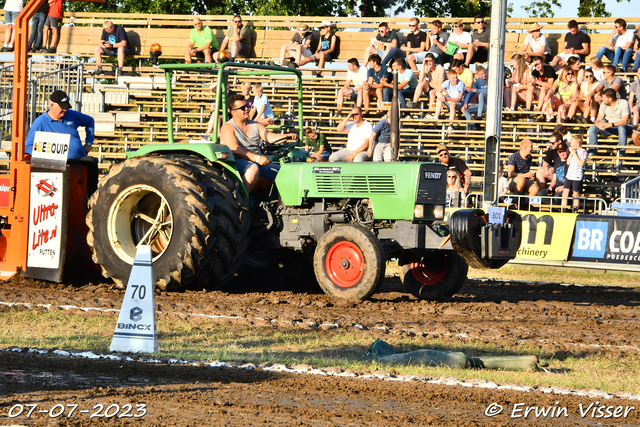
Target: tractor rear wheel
433, 275
189, 211
349, 262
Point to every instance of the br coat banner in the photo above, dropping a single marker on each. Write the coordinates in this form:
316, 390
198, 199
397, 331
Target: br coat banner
610, 239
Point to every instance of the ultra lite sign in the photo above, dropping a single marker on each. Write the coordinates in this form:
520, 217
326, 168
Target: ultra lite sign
45, 219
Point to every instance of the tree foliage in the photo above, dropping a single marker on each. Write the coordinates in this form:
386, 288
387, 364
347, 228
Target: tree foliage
587, 8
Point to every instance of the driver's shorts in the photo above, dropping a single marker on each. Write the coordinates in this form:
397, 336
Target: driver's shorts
268, 172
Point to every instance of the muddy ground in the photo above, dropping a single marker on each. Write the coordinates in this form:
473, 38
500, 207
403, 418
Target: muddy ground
561, 320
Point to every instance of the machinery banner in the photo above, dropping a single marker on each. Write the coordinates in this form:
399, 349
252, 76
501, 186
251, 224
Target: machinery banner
45, 219
611, 239
546, 236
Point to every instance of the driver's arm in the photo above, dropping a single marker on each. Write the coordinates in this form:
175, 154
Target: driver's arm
228, 138
271, 137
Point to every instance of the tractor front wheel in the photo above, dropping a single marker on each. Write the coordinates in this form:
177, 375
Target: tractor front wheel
433, 275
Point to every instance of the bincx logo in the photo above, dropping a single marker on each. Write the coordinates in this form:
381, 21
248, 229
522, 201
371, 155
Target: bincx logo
135, 314
591, 239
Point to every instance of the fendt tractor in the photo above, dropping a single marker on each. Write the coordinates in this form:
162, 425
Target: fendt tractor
339, 222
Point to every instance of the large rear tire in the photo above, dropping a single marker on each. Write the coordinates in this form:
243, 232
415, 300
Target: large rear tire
190, 211
349, 262
434, 275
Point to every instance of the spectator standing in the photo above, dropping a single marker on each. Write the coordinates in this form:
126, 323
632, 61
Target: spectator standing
576, 44
416, 48
381, 137
612, 120
52, 22
237, 39
359, 145
611, 81
521, 178
60, 118
456, 164
325, 50
356, 75
619, 46
543, 77
451, 93
407, 83
479, 91
113, 42
518, 85
316, 145
202, 43
432, 76
37, 27
460, 40
298, 48
377, 79
437, 41
261, 110
575, 171
537, 42
382, 44
11, 10
479, 48
634, 92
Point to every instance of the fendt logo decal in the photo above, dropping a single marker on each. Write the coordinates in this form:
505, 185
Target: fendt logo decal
46, 188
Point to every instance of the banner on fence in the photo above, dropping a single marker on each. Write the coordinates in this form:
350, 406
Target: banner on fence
611, 239
546, 236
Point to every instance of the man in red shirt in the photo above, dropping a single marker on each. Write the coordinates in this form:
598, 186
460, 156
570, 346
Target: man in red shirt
54, 18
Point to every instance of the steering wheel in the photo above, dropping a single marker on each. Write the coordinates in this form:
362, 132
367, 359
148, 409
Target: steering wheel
277, 149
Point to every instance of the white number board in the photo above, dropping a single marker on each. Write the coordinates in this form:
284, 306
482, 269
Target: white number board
496, 215
45, 219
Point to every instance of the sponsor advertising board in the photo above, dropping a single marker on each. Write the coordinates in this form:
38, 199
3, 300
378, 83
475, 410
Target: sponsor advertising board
611, 239
546, 236
45, 219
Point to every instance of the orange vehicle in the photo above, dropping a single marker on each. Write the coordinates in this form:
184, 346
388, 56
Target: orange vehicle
16, 186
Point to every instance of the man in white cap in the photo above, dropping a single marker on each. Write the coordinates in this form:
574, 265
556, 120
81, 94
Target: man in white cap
325, 50
298, 48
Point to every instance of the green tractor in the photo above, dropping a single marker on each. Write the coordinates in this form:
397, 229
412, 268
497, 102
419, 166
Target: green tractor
337, 223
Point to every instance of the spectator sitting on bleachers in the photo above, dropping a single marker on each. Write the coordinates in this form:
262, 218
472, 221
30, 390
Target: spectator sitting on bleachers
552, 151
611, 81
377, 77
544, 179
356, 75
479, 88
382, 43
619, 46
316, 145
585, 103
479, 48
298, 48
416, 48
113, 42
575, 171
238, 39
576, 44
456, 164
437, 42
634, 92
381, 137
636, 63
245, 89
559, 170
407, 83
458, 44
563, 93
635, 136
202, 43
597, 67
612, 120
521, 178
518, 84
359, 146
326, 46
578, 71
543, 77
451, 92
465, 75
431, 78
261, 110
537, 42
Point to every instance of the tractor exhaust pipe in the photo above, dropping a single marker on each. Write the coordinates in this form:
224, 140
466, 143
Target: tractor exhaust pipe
394, 120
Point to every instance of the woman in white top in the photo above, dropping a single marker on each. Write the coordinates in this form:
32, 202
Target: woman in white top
538, 44
597, 67
462, 39
587, 106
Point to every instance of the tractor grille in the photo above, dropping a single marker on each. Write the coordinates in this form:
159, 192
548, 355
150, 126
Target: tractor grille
382, 184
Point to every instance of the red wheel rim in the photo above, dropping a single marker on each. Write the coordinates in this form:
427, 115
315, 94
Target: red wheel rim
345, 264
426, 277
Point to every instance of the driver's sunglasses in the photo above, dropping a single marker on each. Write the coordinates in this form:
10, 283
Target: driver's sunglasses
242, 107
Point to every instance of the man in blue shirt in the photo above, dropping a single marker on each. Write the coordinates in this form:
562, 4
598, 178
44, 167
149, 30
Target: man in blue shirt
61, 119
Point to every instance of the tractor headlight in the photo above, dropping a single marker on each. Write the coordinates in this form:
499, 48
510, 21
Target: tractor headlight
418, 211
438, 212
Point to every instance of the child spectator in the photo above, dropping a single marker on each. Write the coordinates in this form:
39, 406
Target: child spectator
261, 110
317, 145
575, 171
298, 48
450, 92
479, 88
597, 67
11, 10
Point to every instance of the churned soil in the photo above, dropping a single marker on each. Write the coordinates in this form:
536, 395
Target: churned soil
560, 320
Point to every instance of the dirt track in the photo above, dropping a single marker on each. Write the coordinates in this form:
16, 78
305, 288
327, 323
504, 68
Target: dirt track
561, 320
